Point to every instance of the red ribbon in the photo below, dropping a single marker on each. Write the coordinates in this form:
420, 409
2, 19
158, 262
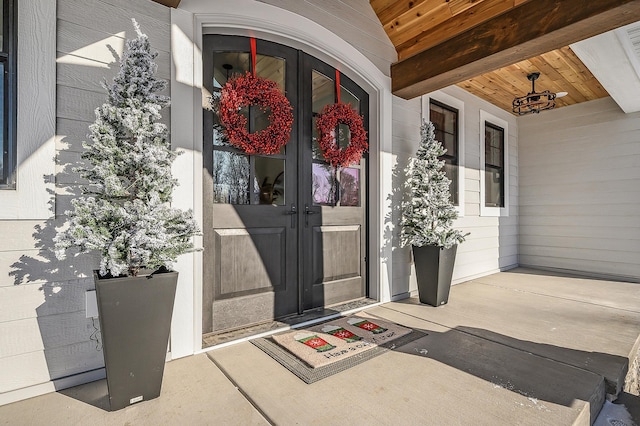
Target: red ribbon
338, 85
253, 56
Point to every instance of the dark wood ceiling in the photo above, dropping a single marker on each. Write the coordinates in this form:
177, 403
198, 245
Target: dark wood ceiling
489, 46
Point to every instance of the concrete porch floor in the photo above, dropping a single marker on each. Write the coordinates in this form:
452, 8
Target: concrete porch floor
523, 347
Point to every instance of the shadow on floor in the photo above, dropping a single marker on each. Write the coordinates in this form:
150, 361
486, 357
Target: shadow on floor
94, 393
526, 368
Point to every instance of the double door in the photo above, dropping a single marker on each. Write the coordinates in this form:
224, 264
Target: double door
283, 233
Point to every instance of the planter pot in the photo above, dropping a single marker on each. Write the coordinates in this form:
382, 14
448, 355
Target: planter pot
434, 269
135, 321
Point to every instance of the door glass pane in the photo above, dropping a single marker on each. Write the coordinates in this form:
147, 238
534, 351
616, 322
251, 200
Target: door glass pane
271, 68
350, 187
323, 185
323, 91
346, 97
343, 130
228, 64
270, 177
316, 152
231, 178
218, 134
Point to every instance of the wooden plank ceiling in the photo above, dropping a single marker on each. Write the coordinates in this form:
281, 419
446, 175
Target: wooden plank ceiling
560, 71
427, 34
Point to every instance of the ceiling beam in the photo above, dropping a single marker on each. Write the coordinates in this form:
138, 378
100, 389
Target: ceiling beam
529, 30
170, 3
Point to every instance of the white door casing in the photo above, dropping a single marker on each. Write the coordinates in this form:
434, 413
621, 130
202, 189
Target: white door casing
257, 19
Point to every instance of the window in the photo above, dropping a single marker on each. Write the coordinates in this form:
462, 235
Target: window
446, 112
445, 120
239, 178
494, 165
8, 94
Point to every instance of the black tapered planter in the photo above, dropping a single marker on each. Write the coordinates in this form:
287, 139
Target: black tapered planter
434, 269
135, 321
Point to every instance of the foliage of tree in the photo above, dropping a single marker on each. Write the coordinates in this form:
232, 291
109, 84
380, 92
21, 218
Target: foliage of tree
427, 211
125, 213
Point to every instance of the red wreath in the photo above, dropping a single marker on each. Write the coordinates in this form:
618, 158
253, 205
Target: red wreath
245, 90
331, 116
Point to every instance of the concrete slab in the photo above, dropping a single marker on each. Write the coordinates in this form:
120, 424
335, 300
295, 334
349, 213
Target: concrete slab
544, 318
512, 348
614, 294
447, 377
194, 392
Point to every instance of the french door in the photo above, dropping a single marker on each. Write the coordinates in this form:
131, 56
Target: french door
283, 233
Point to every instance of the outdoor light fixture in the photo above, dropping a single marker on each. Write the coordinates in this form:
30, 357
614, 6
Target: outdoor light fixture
534, 102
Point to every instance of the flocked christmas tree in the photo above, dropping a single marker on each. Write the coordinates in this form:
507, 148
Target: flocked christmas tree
125, 214
427, 213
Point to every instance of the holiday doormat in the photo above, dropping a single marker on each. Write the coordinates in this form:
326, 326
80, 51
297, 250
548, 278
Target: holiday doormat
329, 348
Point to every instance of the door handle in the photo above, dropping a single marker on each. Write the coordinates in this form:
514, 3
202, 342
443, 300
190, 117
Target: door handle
293, 212
307, 213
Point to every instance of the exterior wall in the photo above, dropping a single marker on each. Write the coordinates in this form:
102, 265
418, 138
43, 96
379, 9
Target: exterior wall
579, 190
46, 342
493, 241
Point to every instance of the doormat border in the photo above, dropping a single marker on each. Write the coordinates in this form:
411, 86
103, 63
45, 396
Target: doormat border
311, 375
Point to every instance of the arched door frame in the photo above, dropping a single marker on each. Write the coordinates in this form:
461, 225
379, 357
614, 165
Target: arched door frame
278, 25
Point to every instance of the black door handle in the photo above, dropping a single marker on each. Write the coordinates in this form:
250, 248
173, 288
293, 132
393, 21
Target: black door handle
293, 212
307, 213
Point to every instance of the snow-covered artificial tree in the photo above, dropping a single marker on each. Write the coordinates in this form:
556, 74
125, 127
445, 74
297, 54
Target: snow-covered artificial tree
125, 213
427, 212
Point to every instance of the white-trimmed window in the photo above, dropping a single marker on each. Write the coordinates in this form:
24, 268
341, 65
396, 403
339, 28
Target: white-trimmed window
447, 115
494, 164
35, 91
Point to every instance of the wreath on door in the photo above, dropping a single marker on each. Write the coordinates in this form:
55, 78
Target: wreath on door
327, 122
246, 90
331, 116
